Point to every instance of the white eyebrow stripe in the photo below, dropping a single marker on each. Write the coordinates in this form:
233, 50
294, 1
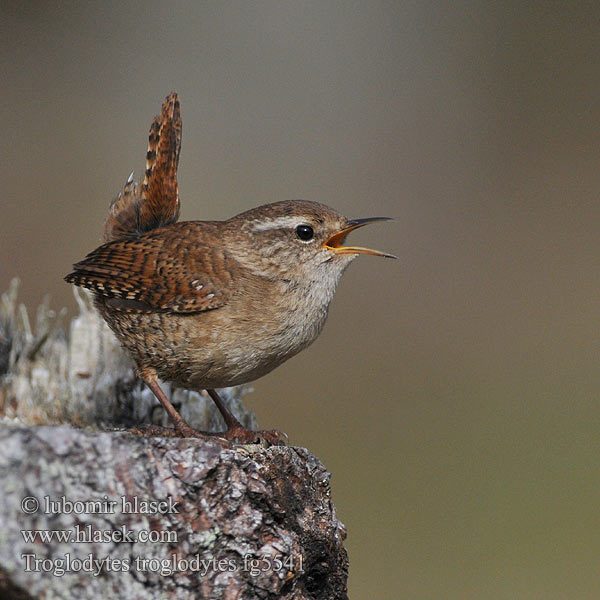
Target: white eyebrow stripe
277, 223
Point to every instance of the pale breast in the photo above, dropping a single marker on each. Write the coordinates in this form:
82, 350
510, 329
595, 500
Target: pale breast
233, 344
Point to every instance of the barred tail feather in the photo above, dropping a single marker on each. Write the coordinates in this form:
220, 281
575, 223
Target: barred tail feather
154, 203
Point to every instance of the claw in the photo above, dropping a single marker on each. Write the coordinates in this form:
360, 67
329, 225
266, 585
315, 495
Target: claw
268, 437
234, 435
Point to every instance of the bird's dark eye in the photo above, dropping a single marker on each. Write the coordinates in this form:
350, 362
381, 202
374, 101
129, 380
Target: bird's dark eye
305, 232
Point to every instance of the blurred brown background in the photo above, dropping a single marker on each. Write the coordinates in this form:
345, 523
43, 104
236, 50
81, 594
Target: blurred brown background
453, 393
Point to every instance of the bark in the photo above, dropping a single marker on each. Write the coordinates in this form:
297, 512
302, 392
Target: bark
85, 378
143, 517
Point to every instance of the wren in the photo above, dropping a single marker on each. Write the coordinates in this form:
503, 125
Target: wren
212, 304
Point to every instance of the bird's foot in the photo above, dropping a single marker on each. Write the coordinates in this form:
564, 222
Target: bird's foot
234, 435
267, 437
181, 430
146, 430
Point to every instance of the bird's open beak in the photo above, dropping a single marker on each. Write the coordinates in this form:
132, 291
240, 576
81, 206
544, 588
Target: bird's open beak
337, 239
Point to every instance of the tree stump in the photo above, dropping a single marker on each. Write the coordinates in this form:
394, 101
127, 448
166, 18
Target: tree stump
94, 511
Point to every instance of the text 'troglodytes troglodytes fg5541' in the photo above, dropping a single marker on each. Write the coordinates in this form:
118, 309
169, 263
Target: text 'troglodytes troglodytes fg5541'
211, 304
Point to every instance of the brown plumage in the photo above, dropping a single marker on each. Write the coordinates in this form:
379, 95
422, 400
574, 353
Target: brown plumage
158, 271
156, 202
209, 304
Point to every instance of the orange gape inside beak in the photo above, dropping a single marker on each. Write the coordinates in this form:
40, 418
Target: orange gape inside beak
337, 239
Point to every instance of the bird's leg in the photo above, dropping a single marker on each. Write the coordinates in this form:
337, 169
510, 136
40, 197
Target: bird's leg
236, 432
227, 415
182, 429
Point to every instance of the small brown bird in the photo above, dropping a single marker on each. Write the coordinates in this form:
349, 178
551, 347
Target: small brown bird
211, 304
